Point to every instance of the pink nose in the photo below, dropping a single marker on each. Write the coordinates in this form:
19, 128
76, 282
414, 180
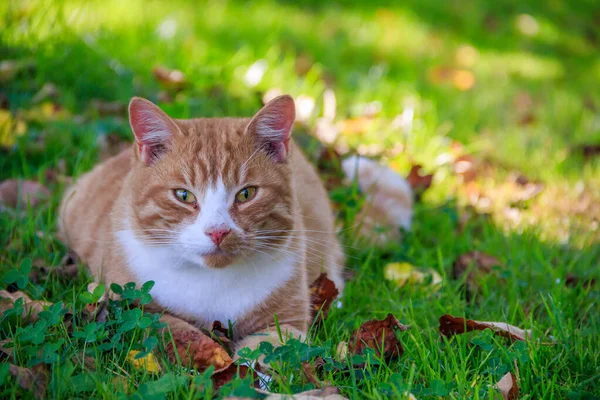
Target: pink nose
217, 235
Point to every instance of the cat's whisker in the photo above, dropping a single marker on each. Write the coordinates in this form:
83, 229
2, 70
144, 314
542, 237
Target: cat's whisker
320, 241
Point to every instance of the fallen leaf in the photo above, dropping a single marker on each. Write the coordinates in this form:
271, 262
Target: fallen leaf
508, 387
341, 351
88, 362
172, 79
221, 335
58, 173
44, 112
323, 292
589, 150
5, 350
402, 273
522, 189
10, 128
310, 374
16, 193
225, 376
372, 333
573, 281
197, 350
328, 393
450, 326
476, 263
418, 180
31, 379
31, 308
465, 166
146, 363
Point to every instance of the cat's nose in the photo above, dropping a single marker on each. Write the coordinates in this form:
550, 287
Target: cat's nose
217, 235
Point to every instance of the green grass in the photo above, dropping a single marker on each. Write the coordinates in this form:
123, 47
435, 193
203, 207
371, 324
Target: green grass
365, 52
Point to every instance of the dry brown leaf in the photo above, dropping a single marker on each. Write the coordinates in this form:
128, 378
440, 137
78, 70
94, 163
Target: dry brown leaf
88, 362
418, 180
221, 335
573, 281
326, 393
197, 350
450, 326
31, 308
225, 376
465, 166
31, 379
172, 79
16, 193
522, 189
589, 150
372, 333
476, 263
323, 292
310, 374
508, 387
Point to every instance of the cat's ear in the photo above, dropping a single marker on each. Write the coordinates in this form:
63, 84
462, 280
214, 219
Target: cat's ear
153, 129
272, 126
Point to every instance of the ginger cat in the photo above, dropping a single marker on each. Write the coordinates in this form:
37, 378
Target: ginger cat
225, 215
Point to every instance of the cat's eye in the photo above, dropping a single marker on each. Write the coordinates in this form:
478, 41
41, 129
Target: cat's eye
245, 194
185, 196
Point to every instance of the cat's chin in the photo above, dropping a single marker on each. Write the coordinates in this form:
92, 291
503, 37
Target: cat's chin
214, 260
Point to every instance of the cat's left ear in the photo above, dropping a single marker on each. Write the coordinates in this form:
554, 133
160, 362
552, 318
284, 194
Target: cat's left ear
272, 126
153, 129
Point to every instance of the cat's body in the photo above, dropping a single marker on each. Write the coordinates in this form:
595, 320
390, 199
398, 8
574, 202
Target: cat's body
259, 230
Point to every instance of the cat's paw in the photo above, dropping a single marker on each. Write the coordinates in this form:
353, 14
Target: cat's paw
196, 350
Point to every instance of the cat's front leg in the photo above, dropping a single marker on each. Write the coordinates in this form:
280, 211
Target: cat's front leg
192, 347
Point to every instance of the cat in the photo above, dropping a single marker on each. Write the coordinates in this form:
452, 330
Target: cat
225, 215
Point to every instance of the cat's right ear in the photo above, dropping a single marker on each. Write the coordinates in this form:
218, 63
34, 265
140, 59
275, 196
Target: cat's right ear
153, 129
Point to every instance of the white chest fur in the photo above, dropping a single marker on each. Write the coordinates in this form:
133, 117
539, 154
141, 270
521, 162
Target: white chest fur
207, 294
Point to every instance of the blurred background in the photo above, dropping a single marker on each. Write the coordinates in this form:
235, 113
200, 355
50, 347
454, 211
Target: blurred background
499, 101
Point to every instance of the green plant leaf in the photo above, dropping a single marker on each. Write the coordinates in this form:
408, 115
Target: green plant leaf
146, 287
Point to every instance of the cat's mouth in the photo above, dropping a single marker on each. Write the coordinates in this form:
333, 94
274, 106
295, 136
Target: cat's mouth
218, 258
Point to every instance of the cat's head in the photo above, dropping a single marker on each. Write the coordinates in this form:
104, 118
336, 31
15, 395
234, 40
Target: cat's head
214, 190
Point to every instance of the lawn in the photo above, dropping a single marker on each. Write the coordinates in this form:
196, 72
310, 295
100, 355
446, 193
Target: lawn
499, 101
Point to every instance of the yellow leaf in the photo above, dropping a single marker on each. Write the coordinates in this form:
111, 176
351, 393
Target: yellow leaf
148, 362
402, 273
10, 128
